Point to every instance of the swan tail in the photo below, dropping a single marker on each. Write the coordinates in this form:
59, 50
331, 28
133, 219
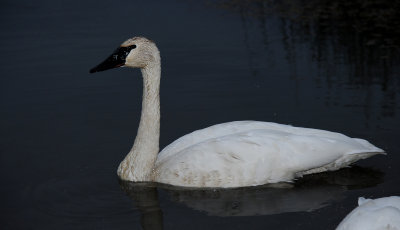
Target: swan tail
344, 161
369, 148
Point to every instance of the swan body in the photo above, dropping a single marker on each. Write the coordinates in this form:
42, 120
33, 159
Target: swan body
233, 154
245, 153
378, 214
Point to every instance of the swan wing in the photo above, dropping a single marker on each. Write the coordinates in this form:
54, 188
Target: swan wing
233, 127
252, 153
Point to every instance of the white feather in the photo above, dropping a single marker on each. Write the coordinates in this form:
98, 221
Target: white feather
246, 153
378, 214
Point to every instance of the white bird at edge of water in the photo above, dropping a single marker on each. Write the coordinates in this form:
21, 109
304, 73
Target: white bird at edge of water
378, 214
233, 154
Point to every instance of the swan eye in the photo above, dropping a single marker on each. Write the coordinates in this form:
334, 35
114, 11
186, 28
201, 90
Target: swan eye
122, 52
126, 50
117, 59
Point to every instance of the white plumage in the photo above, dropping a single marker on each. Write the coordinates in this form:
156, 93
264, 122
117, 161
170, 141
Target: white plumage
378, 214
233, 154
245, 153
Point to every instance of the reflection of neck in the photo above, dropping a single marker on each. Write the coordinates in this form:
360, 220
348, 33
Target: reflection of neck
152, 216
145, 196
139, 163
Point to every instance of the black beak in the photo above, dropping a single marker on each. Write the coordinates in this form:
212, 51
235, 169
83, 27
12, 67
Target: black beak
117, 59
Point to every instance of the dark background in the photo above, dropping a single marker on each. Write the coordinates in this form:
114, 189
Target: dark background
330, 65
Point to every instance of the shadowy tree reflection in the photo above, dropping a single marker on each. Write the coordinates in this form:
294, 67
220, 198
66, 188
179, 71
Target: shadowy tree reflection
356, 44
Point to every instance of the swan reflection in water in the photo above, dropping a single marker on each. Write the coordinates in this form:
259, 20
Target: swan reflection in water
307, 194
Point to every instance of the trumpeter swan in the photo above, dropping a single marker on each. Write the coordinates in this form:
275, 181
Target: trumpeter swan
233, 154
382, 213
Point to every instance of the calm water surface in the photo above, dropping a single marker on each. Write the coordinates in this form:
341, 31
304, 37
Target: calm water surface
331, 65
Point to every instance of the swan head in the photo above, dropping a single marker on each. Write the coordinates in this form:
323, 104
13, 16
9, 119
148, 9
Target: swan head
136, 52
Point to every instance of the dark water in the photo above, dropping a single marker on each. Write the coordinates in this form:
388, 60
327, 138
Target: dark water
327, 65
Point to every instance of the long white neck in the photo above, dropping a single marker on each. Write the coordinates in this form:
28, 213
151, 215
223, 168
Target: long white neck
139, 163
